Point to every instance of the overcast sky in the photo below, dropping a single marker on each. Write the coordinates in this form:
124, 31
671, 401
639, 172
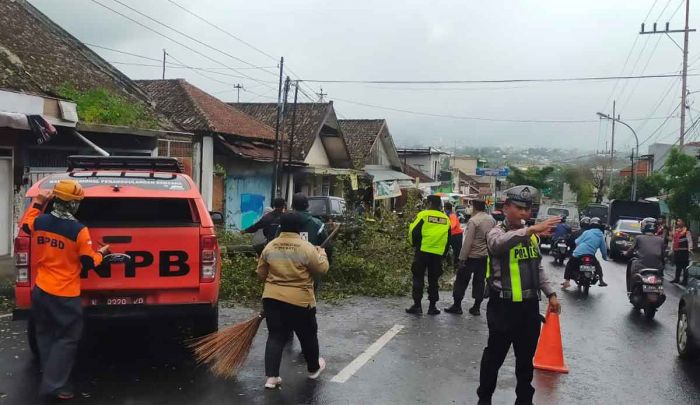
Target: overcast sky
421, 40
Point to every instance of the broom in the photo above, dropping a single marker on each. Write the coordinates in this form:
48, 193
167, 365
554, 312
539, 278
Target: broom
226, 351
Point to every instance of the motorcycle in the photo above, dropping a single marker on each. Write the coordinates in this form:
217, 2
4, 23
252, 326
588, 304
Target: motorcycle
585, 275
560, 250
645, 290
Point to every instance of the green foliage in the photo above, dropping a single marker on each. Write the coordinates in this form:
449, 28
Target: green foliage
370, 257
580, 180
650, 186
101, 106
682, 177
532, 176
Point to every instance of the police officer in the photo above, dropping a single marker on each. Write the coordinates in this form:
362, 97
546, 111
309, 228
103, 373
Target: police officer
428, 234
311, 229
515, 280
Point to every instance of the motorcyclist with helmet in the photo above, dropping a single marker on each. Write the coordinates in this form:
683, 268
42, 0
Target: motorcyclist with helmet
648, 248
590, 241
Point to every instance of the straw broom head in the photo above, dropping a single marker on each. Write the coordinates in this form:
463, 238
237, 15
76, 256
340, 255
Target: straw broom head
225, 351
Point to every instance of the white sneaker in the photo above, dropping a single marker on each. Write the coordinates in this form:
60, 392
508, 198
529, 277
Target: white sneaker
273, 382
322, 364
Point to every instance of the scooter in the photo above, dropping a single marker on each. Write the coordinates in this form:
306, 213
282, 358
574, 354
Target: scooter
585, 275
645, 290
560, 250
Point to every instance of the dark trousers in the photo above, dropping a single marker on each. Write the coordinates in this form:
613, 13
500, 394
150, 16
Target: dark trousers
283, 319
575, 262
472, 266
433, 264
456, 245
681, 259
516, 323
58, 323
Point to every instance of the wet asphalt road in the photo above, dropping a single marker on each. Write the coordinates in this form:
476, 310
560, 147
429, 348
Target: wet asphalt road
615, 356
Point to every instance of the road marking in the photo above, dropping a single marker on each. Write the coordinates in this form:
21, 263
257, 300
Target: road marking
5, 316
363, 358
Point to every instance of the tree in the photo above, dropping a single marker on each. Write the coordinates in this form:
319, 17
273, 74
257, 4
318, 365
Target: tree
650, 186
532, 176
580, 180
682, 178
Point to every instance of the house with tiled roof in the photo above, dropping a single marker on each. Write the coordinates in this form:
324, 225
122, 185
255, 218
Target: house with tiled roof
372, 149
310, 135
51, 87
237, 149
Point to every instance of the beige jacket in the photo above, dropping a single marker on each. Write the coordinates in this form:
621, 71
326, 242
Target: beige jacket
474, 244
287, 265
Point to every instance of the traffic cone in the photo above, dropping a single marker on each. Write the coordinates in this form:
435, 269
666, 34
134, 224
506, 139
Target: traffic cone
549, 355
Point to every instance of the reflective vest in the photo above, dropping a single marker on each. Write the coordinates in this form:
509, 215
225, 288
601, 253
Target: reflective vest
519, 270
455, 226
434, 231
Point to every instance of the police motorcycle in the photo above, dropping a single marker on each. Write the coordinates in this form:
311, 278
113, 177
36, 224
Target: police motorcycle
645, 288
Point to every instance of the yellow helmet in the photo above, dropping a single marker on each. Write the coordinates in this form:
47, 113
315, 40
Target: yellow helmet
68, 190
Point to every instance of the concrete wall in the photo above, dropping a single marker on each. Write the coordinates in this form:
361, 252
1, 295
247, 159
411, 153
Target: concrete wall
661, 151
247, 192
427, 164
378, 155
465, 164
317, 154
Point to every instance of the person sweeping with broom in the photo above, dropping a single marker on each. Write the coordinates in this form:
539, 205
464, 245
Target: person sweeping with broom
288, 265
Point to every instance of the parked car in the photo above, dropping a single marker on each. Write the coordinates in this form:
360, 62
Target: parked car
327, 208
688, 326
622, 237
167, 261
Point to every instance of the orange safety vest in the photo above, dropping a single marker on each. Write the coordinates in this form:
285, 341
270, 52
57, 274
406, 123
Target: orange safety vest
455, 226
60, 248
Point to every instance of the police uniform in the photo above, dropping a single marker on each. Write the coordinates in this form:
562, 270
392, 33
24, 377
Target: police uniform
515, 278
429, 234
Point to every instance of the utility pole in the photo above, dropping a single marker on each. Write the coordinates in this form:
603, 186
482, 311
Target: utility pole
633, 192
238, 88
612, 149
291, 140
275, 162
164, 54
684, 77
636, 138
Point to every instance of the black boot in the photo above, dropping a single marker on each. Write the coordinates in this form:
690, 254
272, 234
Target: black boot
454, 309
415, 309
602, 283
432, 309
475, 310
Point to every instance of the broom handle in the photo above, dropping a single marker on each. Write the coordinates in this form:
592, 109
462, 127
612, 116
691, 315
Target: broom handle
330, 237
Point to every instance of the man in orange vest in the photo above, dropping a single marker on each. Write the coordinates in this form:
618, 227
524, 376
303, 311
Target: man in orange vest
455, 240
60, 247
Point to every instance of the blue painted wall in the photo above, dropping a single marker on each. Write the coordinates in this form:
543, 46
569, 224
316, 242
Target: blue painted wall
246, 196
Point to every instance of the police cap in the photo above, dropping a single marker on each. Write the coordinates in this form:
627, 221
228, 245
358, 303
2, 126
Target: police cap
522, 196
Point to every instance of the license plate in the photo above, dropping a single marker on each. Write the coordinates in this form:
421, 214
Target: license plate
545, 246
117, 301
587, 268
652, 289
562, 245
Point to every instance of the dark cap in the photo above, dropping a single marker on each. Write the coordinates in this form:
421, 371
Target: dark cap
300, 202
290, 222
522, 196
434, 201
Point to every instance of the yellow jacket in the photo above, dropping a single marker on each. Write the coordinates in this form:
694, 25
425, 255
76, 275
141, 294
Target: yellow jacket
287, 265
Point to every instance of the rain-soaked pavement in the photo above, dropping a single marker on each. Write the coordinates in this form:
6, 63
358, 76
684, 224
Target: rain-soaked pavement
615, 356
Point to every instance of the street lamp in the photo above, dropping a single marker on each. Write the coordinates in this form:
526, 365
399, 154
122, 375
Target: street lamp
634, 174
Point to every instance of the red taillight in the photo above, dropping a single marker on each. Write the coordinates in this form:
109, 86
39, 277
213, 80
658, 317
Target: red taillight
209, 251
586, 260
22, 250
621, 235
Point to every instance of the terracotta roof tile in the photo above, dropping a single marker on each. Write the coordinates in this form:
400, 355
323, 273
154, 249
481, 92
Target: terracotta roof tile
194, 110
360, 135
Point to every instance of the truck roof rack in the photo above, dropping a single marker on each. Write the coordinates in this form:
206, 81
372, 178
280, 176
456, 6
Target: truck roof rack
161, 164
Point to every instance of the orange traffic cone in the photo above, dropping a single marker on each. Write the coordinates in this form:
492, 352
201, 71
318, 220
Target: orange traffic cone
549, 355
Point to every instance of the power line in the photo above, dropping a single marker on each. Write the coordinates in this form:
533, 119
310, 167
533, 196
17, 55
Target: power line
189, 36
173, 40
660, 126
479, 118
235, 37
541, 80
